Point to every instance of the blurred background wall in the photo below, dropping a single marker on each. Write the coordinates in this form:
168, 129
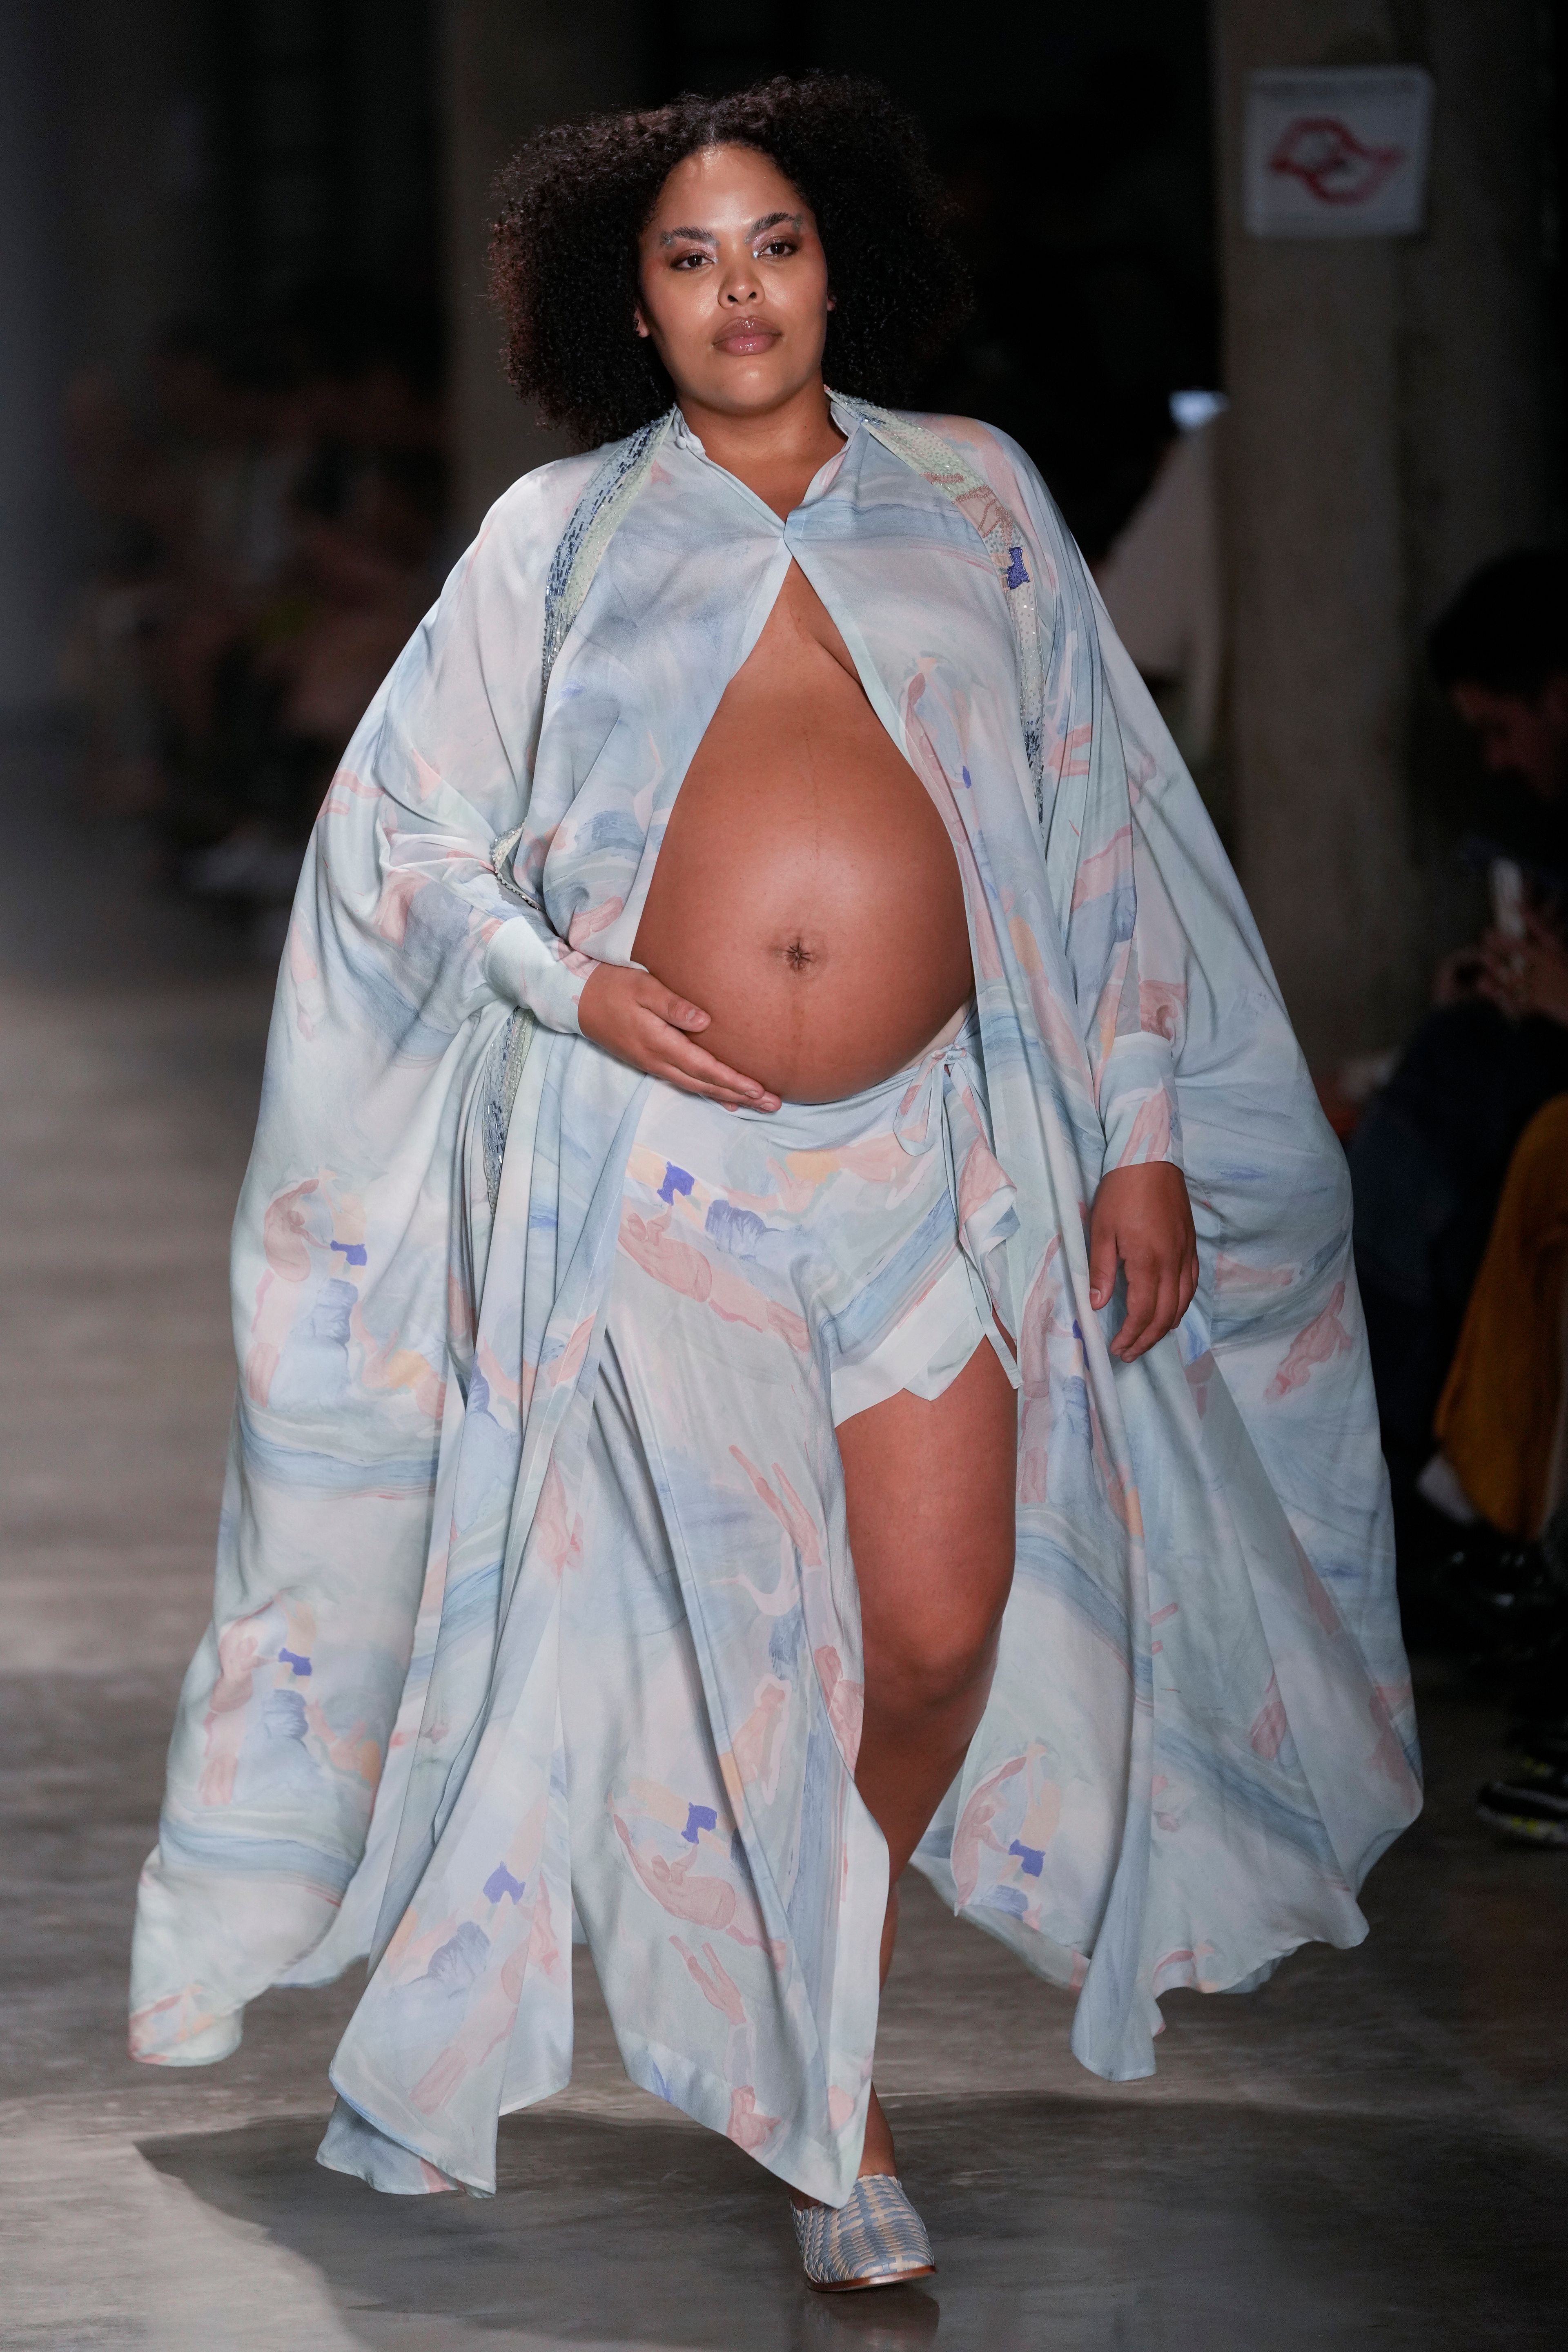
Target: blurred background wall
1396, 419
250, 401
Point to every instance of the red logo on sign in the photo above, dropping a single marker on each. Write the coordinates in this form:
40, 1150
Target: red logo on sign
1327, 157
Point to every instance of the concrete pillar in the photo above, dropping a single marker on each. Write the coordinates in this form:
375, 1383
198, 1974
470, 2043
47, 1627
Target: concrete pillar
1482, 468
508, 66
34, 562
1387, 433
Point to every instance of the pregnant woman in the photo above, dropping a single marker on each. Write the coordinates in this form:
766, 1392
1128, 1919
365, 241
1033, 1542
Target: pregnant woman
732, 1397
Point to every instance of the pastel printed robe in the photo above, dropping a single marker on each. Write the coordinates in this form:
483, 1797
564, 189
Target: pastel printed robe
1200, 1733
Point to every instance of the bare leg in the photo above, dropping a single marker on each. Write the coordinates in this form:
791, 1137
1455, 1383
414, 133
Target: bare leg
929, 1489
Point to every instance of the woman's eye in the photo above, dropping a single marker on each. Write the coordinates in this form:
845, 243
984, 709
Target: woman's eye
689, 261
778, 245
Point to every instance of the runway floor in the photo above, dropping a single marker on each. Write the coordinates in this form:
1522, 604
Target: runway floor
1373, 2151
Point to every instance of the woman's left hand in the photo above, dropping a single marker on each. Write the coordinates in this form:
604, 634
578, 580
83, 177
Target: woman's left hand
1142, 1216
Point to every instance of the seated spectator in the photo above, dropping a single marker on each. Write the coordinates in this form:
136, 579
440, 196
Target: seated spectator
1429, 1159
1502, 1468
1500, 1424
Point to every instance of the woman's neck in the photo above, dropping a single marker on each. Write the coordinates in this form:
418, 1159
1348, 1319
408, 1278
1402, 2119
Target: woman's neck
776, 453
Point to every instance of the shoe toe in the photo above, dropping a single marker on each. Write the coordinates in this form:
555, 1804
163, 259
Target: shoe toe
875, 2239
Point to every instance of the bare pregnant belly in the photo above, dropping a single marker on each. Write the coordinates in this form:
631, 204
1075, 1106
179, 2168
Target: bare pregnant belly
807, 896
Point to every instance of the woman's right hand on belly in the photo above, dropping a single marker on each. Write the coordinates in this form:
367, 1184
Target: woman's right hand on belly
638, 1019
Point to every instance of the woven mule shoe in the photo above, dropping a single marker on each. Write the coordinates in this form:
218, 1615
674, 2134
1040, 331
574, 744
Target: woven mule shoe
876, 2239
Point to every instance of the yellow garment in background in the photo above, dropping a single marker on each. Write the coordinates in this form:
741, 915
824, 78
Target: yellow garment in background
1498, 1420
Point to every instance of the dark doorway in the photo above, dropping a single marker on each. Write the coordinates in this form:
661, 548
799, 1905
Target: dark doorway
1078, 157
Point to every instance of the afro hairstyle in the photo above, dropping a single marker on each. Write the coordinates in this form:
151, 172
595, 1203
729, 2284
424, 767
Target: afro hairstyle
575, 199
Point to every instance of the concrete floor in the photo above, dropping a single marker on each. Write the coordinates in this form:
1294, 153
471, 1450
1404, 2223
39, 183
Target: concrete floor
1373, 2151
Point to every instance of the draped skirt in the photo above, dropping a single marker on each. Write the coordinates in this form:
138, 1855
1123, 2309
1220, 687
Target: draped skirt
771, 1276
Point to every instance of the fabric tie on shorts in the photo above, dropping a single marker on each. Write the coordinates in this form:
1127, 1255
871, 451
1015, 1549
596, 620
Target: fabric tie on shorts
941, 1103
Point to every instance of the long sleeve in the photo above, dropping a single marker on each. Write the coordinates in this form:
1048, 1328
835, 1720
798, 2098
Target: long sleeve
1144, 977
446, 756
1126, 947
1137, 1092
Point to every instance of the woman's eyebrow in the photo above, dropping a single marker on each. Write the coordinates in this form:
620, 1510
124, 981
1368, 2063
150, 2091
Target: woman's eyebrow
707, 236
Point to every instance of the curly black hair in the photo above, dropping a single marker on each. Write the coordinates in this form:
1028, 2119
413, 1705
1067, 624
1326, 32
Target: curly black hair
575, 200
1507, 629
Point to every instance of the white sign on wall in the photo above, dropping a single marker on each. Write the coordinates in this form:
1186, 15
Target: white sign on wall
1341, 152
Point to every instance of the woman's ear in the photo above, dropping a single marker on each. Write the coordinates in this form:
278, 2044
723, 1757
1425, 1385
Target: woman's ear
832, 302
638, 321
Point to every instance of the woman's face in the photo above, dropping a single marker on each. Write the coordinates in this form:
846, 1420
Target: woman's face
734, 283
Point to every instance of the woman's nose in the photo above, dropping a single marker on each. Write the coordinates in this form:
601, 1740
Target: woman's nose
740, 283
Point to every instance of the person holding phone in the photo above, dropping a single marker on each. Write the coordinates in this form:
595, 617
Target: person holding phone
1430, 1159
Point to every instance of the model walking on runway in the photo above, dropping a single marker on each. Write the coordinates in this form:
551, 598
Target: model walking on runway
794, 1299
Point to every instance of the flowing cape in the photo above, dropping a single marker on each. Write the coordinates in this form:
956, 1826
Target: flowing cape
1200, 1733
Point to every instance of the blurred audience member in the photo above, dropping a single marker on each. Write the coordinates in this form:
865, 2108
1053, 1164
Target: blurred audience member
1462, 1197
1429, 1159
267, 538
1500, 1423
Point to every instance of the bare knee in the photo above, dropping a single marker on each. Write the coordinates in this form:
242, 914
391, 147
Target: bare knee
925, 1670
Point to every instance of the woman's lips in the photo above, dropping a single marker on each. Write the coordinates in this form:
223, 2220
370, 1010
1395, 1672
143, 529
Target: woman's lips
743, 338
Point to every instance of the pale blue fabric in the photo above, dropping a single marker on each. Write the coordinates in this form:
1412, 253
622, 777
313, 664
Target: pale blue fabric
1200, 1735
